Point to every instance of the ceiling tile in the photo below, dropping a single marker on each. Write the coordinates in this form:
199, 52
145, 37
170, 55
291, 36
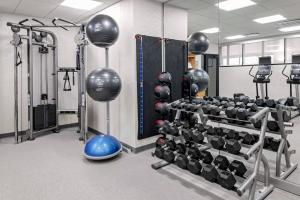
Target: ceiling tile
66, 13
250, 11
8, 6
276, 4
190, 4
35, 8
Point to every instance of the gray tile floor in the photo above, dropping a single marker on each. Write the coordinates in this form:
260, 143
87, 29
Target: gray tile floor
52, 167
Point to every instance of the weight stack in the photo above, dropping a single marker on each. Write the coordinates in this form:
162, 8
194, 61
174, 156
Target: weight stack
44, 116
39, 117
51, 115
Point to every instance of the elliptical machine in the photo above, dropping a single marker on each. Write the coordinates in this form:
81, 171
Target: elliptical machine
293, 79
262, 77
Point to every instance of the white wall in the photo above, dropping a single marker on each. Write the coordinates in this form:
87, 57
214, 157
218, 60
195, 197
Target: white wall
133, 17
213, 48
66, 58
236, 80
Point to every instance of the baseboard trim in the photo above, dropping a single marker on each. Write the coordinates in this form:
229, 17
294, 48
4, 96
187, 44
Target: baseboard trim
12, 134
132, 149
5, 135
71, 125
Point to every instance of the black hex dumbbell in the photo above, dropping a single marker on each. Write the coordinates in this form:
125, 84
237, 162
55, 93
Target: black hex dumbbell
271, 103
260, 102
273, 126
257, 125
169, 128
274, 144
217, 142
206, 108
210, 173
245, 113
162, 147
231, 111
170, 156
292, 101
206, 157
285, 116
193, 135
233, 146
190, 161
248, 138
238, 168
221, 162
240, 104
232, 134
226, 179
215, 110
226, 104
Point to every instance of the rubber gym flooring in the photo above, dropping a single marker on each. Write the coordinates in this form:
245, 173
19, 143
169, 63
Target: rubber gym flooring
52, 167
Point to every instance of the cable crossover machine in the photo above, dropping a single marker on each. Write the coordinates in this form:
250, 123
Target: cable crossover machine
42, 116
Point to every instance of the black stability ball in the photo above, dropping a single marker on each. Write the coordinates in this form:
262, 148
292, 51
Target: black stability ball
198, 77
103, 84
198, 43
102, 30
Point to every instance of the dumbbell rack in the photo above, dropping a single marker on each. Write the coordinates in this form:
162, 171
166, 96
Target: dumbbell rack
278, 179
255, 151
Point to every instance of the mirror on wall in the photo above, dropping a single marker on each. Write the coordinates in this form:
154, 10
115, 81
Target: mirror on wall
203, 16
240, 32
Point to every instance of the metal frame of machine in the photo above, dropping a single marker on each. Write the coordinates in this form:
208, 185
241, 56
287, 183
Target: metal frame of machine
16, 42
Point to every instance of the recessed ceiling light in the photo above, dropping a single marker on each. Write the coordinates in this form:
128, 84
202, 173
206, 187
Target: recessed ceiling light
81, 4
270, 19
290, 29
234, 37
230, 5
211, 30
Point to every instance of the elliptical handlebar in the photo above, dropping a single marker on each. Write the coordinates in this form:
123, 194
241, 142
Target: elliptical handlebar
251, 71
270, 75
282, 72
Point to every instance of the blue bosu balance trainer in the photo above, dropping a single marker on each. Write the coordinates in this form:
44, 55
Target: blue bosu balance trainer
102, 147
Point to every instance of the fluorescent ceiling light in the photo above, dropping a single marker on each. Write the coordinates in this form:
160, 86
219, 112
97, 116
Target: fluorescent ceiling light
211, 30
270, 19
294, 36
81, 4
234, 37
230, 5
290, 28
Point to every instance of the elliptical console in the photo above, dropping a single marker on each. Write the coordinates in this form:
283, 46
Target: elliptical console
262, 76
